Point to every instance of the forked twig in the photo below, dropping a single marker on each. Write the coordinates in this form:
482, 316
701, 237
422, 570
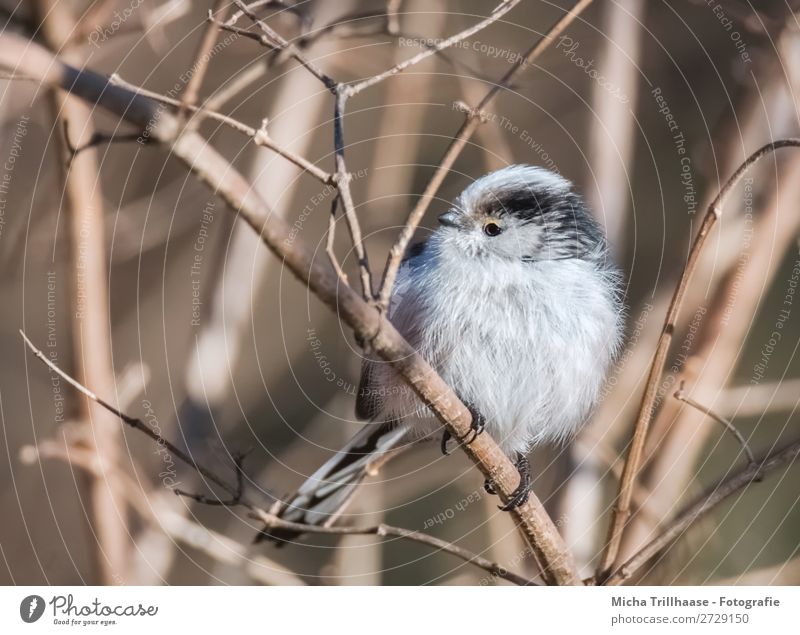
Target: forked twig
329, 246
238, 496
216, 172
680, 395
473, 120
716, 494
259, 136
622, 508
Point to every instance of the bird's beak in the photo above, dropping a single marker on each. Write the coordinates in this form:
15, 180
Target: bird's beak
453, 218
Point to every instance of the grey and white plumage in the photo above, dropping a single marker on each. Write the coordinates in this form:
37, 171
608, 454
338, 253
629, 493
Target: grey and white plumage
515, 303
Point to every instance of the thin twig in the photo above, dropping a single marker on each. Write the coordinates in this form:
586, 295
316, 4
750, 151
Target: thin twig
274, 522
96, 139
259, 137
239, 498
715, 495
498, 12
468, 128
203, 57
236, 498
368, 324
274, 40
680, 395
343, 183
329, 247
133, 422
622, 508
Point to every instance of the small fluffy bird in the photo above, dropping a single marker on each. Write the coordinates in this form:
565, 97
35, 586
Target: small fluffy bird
516, 304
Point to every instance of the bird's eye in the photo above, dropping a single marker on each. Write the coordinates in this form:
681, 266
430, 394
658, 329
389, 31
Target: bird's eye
492, 229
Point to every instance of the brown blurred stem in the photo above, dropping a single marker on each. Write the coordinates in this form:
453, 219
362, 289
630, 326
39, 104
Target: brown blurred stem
622, 508
101, 499
715, 495
203, 57
238, 496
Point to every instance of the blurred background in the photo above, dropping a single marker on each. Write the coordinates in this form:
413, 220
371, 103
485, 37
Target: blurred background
193, 326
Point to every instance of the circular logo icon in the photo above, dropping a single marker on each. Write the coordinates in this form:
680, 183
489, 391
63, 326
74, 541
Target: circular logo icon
31, 608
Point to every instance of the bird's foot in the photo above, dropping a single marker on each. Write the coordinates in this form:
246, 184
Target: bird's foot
477, 427
523, 490
519, 495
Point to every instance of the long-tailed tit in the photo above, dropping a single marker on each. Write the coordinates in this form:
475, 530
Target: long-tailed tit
515, 303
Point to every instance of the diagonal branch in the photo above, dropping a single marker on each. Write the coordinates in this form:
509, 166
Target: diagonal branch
239, 499
260, 137
715, 495
498, 12
622, 508
368, 324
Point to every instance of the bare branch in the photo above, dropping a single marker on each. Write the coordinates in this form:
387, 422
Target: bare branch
498, 12
274, 40
270, 520
622, 508
274, 522
203, 57
458, 143
715, 495
133, 422
368, 324
680, 395
343, 183
330, 240
260, 136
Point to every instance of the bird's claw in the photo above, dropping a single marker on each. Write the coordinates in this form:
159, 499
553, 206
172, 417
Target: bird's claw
446, 436
523, 490
477, 427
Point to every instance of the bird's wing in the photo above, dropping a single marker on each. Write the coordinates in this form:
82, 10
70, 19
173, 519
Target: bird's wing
368, 400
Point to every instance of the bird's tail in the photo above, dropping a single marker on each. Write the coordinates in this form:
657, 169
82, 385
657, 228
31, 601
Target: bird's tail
322, 498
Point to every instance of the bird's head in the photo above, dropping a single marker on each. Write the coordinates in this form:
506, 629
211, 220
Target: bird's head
524, 213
